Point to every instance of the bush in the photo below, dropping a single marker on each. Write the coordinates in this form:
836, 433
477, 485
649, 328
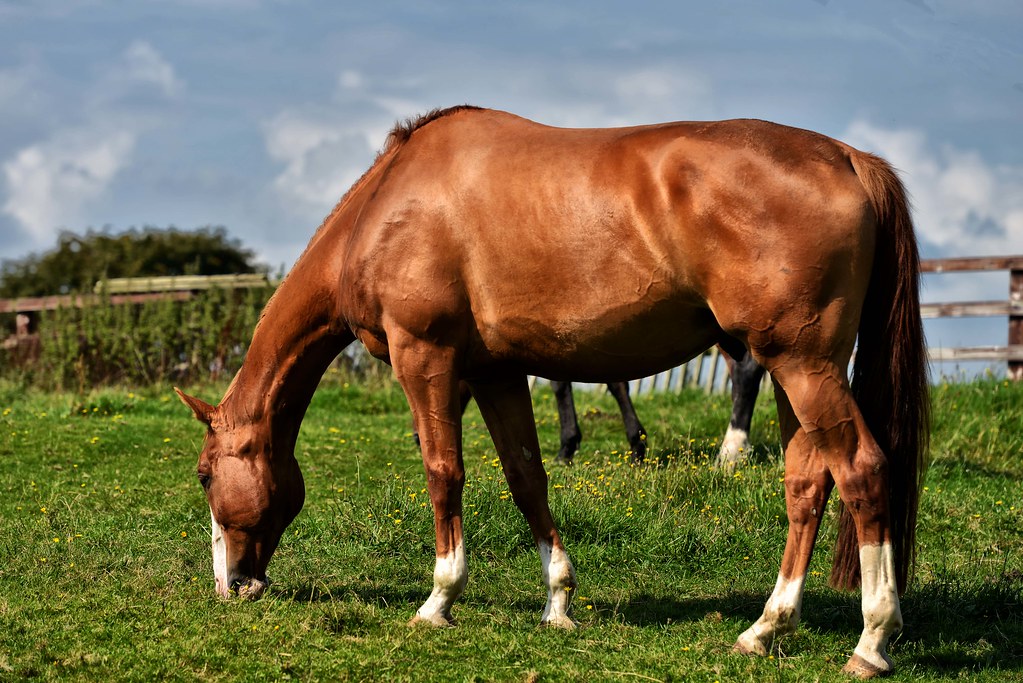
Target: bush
201, 338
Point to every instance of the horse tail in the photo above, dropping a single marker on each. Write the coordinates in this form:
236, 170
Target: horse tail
890, 376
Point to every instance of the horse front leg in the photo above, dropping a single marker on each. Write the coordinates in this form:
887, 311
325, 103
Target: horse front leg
807, 486
426, 373
508, 411
633, 428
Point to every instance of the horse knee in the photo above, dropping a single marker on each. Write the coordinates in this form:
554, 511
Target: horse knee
806, 496
444, 479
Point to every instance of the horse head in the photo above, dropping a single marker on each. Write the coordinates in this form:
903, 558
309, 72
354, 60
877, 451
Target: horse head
254, 491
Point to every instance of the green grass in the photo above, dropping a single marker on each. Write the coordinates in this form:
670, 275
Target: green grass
105, 565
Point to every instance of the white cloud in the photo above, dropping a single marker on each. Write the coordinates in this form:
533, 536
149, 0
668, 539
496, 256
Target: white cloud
54, 181
350, 78
321, 157
49, 183
143, 64
963, 205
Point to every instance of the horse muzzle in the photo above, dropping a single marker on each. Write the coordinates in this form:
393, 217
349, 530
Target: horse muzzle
247, 588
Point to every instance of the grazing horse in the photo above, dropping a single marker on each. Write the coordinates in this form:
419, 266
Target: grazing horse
447, 260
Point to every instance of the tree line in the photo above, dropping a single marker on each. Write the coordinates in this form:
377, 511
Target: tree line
80, 260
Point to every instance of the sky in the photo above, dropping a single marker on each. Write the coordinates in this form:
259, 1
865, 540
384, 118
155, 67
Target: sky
257, 115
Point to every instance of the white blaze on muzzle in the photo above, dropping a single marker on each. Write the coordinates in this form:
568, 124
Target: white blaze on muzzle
219, 557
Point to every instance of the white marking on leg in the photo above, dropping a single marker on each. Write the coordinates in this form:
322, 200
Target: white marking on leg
219, 557
781, 615
450, 575
734, 447
882, 615
559, 575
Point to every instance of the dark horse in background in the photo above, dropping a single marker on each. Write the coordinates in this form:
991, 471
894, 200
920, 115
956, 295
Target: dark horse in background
447, 260
568, 419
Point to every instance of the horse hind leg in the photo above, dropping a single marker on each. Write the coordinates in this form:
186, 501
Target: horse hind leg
633, 428
746, 374
827, 412
807, 485
571, 435
508, 412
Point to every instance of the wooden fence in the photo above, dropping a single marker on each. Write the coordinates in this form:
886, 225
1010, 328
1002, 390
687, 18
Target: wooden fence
1013, 309
706, 370
133, 291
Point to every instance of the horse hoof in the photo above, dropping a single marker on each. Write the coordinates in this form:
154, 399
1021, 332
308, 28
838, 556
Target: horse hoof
638, 452
750, 645
734, 449
860, 668
434, 621
565, 623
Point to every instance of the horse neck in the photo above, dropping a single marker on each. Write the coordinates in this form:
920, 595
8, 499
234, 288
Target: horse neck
297, 337
300, 331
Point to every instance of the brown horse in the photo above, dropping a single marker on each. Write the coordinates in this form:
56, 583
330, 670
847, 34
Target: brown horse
447, 260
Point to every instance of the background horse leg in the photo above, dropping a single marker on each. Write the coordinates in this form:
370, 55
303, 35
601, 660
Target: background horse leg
426, 374
807, 485
571, 436
822, 401
508, 411
746, 374
633, 429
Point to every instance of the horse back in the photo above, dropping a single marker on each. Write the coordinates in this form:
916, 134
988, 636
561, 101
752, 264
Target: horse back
521, 237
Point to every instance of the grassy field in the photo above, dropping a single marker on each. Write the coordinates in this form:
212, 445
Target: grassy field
105, 568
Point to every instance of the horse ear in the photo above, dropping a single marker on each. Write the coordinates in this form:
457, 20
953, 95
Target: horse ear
203, 411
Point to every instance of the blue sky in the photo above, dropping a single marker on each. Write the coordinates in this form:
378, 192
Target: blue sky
258, 114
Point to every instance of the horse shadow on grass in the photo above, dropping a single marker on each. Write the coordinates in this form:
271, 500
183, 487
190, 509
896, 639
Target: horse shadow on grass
948, 629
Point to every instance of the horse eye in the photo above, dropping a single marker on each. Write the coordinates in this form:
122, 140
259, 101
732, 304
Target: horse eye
204, 479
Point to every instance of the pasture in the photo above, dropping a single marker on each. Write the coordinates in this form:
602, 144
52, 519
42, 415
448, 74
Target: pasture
105, 568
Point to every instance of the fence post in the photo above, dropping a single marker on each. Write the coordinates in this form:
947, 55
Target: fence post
1015, 321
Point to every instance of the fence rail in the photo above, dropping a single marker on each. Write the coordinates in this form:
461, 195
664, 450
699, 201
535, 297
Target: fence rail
1012, 354
703, 371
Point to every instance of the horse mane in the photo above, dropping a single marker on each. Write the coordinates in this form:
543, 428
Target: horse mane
399, 135
403, 130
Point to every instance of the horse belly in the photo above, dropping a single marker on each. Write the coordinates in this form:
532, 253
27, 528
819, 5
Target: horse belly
614, 345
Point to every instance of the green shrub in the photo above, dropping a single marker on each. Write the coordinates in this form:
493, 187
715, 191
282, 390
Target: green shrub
201, 339
204, 337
